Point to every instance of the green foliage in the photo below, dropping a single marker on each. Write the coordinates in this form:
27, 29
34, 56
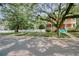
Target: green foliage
18, 16
48, 30
41, 27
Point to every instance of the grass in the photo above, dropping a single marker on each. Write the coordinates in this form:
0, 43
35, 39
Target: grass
9, 33
41, 34
64, 36
6, 33
76, 34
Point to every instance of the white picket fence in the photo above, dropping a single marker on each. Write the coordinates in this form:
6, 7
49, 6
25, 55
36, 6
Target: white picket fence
30, 30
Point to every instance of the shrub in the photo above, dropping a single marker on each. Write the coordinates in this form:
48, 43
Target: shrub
41, 27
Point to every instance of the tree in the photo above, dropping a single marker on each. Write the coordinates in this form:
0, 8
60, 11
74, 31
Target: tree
57, 15
18, 15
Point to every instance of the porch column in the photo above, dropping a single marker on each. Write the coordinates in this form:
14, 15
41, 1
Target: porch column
65, 26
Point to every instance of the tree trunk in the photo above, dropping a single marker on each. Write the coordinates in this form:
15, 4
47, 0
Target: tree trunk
17, 28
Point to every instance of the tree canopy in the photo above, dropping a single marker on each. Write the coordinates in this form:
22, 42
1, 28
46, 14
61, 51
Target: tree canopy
23, 16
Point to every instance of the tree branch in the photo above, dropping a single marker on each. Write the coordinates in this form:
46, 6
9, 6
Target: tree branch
67, 11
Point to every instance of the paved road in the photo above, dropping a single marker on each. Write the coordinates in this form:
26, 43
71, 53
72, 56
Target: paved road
37, 46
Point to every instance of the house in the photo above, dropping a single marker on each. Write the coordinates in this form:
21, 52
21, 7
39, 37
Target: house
69, 24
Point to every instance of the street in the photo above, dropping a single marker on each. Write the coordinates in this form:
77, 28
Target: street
37, 46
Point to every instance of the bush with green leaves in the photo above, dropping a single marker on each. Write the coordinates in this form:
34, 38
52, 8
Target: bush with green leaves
41, 27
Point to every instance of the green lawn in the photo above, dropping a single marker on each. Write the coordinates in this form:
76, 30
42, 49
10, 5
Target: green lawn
76, 34
45, 34
7, 33
40, 34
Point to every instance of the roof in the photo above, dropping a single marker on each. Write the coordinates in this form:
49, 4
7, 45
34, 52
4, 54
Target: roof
71, 21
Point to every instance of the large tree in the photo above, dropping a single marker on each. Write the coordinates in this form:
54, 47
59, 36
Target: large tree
56, 13
18, 15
